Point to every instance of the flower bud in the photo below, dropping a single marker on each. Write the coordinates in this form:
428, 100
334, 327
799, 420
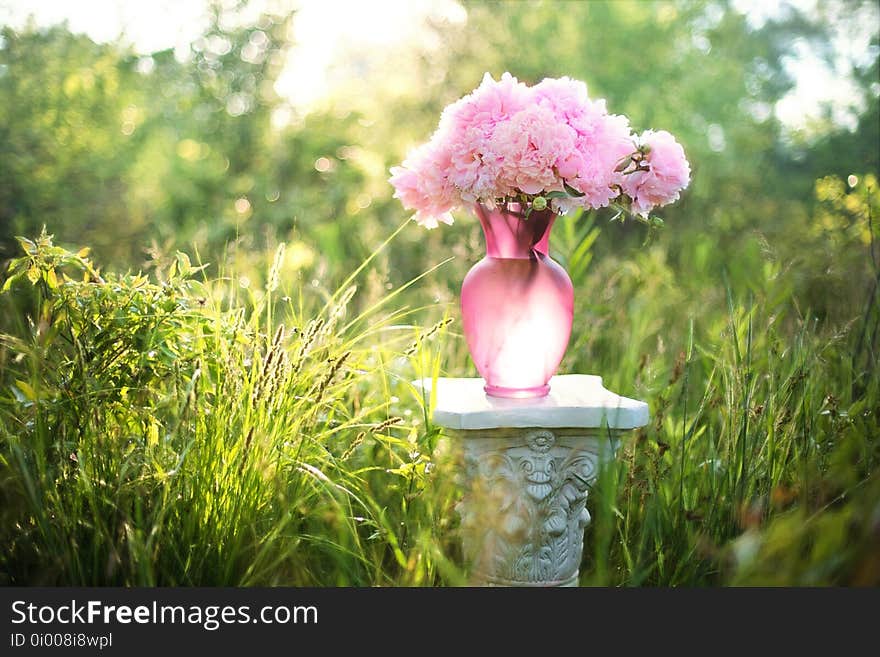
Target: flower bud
539, 203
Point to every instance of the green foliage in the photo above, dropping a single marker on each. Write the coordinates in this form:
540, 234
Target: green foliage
148, 436
745, 435
167, 432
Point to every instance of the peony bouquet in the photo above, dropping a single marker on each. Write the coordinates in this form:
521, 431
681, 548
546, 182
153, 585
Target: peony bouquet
548, 145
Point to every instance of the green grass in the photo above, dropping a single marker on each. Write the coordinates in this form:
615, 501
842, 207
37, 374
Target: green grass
158, 437
175, 429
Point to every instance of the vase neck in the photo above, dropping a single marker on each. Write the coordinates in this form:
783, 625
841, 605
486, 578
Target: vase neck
509, 235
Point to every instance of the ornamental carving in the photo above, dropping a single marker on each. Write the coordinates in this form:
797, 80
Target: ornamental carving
523, 513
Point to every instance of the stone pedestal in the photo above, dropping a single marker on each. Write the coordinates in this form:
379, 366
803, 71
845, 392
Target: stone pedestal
528, 467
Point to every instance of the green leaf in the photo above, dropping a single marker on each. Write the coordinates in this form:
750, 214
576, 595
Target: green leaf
184, 266
10, 281
624, 163
690, 345
153, 435
52, 278
26, 389
33, 274
571, 190
29, 247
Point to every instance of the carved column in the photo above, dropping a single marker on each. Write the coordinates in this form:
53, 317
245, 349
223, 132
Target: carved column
526, 470
523, 511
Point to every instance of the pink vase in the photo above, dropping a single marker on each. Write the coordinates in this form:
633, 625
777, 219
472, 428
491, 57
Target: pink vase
516, 304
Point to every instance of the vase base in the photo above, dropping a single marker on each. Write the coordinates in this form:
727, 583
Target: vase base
517, 393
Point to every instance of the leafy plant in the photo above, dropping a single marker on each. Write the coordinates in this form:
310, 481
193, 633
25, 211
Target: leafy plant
154, 437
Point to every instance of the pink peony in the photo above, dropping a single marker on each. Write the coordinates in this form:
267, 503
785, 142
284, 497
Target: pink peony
468, 124
604, 139
486, 106
566, 98
528, 147
506, 139
421, 184
668, 173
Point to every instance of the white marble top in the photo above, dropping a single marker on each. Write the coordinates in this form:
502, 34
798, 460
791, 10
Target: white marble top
575, 400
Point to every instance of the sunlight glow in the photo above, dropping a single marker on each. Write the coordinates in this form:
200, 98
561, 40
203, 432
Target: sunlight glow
820, 86
148, 26
325, 29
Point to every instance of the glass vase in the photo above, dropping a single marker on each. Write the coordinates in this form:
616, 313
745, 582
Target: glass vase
517, 304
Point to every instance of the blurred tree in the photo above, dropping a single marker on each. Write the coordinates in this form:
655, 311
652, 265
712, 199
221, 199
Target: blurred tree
117, 150
113, 149
63, 101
